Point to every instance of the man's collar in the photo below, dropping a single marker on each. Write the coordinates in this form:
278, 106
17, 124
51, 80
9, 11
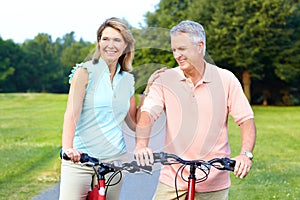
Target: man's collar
207, 76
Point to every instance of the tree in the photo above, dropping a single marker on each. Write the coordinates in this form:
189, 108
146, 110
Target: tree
252, 36
77, 52
11, 55
42, 64
168, 13
6, 48
153, 49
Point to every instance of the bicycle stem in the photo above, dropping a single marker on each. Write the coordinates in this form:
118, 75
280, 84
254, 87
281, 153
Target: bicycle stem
191, 183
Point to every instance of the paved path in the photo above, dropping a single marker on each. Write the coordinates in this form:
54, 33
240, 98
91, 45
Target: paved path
138, 186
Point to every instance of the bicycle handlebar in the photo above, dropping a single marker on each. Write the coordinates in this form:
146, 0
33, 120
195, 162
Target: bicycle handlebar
116, 165
218, 163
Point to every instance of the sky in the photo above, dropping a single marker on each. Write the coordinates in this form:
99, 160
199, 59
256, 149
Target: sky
25, 19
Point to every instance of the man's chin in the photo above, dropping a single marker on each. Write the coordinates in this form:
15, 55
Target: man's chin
183, 67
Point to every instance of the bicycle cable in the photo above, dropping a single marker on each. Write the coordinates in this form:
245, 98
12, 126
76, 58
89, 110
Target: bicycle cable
205, 171
111, 177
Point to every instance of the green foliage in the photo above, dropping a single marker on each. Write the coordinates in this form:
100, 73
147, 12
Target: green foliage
168, 13
5, 62
40, 65
152, 52
41, 62
76, 52
259, 36
153, 49
247, 34
10, 57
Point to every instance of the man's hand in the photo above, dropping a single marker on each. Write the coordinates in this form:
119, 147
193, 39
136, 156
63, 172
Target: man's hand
242, 166
143, 156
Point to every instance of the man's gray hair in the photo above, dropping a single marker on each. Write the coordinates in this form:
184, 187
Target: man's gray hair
194, 29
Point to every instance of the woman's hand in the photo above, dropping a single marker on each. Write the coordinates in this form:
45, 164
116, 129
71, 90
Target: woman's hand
73, 154
153, 77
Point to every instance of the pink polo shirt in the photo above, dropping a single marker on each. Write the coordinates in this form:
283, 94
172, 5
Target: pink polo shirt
196, 120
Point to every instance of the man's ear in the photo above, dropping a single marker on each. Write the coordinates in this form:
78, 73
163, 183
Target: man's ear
201, 46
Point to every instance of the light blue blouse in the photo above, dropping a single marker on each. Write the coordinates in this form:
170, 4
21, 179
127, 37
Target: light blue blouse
99, 129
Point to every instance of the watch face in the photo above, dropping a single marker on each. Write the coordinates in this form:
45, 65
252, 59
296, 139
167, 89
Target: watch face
248, 154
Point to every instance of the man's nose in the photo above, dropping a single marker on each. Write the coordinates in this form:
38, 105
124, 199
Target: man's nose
176, 54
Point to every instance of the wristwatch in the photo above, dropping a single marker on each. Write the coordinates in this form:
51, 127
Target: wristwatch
145, 93
248, 154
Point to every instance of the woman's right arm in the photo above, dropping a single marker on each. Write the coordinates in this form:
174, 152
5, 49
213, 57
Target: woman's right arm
73, 110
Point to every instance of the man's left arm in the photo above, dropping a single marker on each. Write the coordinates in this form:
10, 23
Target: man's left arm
244, 160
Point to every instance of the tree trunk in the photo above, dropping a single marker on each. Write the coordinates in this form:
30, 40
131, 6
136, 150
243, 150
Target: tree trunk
246, 84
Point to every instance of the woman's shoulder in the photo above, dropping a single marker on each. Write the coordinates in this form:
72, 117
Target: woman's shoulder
80, 68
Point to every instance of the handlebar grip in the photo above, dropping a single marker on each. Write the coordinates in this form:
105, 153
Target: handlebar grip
157, 156
161, 157
147, 168
231, 164
83, 157
63, 155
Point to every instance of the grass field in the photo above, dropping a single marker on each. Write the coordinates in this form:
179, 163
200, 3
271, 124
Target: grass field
30, 138
276, 168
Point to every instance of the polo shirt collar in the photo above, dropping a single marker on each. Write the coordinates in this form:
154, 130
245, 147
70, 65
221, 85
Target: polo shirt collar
208, 73
118, 67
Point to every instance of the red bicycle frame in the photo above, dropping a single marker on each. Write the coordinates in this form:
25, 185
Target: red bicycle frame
99, 191
191, 183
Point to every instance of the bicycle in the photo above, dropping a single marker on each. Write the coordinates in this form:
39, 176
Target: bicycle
204, 166
98, 191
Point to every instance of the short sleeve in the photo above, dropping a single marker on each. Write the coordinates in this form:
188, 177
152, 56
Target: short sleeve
154, 102
132, 82
73, 72
239, 107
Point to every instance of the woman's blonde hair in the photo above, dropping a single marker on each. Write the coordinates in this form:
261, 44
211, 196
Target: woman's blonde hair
127, 57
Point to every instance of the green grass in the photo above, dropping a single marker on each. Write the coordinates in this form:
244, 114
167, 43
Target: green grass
276, 166
30, 138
